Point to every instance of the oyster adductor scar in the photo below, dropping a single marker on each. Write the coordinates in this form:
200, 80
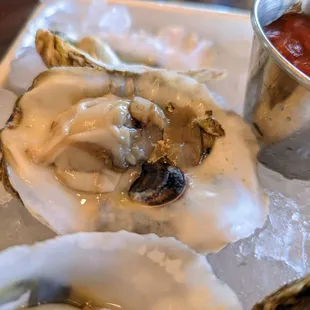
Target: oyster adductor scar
110, 271
159, 183
83, 135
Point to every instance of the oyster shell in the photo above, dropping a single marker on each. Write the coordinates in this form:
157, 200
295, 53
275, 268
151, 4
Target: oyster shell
99, 270
56, 49
293, 296
98, 49
98, 160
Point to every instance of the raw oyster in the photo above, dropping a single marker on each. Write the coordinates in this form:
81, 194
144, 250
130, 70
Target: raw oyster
97, 153
59, 50
293, 296
111, 271
73, 180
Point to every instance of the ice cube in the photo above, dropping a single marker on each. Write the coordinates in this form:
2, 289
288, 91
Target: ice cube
305, 6
64, 22
18, 226
116, 19
5, 197
283, 238
66, 16
251, 278
7, 101
287, 236
78, 17
24, 69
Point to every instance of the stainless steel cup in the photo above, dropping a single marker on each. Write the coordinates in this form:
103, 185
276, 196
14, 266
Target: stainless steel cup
277, 100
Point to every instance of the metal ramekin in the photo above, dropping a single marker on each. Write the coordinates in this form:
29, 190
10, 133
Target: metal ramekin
277, 100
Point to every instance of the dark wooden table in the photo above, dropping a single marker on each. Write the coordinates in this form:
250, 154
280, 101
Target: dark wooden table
14, 13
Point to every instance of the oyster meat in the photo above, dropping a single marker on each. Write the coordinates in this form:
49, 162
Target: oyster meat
110, 271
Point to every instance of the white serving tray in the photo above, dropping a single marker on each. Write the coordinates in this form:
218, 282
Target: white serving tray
239, 265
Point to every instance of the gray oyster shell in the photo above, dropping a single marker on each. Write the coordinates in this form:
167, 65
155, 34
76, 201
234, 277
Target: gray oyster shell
292, 296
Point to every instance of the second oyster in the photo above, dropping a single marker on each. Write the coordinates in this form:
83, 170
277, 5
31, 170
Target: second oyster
110, 271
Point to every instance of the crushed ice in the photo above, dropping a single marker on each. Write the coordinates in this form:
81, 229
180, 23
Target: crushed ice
277, 253
24, 69
286, 235
5, 197
85, 17
7, 101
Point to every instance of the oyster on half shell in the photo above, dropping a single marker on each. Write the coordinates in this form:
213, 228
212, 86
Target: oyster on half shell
96, 147
73, 151
110, 271
57, 49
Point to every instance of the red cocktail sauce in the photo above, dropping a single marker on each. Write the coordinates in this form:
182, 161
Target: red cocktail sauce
290, 35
